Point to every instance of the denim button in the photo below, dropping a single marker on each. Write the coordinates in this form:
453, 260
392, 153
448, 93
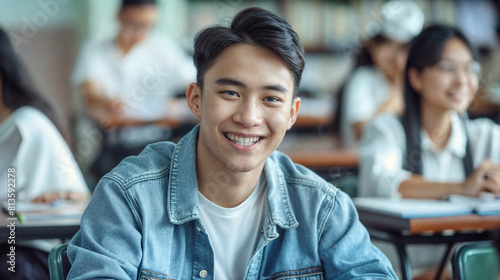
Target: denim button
203, 273
198, 229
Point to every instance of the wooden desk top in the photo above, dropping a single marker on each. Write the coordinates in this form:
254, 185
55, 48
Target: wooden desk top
426, 225
319, 151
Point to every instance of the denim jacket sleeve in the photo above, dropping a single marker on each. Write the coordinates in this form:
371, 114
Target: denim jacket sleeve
345, 243
111, 243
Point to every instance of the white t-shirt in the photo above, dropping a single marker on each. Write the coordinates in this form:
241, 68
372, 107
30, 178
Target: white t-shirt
364, 93
144, 79
384, 143
234, 232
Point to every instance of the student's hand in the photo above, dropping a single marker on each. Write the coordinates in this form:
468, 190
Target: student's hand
486, 178
51, 196
395, 104
95, 98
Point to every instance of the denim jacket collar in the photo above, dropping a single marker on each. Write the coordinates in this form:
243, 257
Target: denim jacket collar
182, 202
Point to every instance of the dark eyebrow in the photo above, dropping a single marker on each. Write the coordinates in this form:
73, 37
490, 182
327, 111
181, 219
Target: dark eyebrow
278, 88
231, 82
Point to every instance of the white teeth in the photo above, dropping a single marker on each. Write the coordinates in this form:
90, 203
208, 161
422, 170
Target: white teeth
241, 140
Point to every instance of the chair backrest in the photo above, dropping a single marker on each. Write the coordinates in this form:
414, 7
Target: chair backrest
476, 260
59, 264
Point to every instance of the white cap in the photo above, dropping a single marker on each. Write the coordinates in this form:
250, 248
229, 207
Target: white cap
401, 20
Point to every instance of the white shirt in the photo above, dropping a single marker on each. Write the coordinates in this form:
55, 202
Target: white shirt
32, 145
234, 232
383, 147
144, 79
364, 94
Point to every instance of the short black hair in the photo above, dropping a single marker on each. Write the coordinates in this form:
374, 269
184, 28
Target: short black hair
130, 3
254, 26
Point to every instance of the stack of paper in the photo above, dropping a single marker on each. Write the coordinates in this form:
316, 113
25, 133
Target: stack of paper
61, 209
427, 208
412, 208
485, 204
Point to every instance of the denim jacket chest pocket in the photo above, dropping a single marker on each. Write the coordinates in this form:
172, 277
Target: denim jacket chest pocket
150, 275
314, 273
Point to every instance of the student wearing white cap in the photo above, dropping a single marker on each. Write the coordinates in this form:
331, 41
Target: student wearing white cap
375, 86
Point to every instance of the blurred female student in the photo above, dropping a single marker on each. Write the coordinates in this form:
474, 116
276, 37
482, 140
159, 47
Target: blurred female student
433, 150
33, 149
376, 85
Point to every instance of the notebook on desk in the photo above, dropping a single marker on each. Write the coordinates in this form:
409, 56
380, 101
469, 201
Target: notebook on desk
412, 208
485, 204
29, 211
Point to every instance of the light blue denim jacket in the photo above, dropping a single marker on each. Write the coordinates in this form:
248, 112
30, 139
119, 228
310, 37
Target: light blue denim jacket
143, 222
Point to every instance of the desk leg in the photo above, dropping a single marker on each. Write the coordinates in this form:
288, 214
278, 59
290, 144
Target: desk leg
404, 262
443, 262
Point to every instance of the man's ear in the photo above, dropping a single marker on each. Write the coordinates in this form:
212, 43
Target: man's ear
193, 95
414, 79
294, 111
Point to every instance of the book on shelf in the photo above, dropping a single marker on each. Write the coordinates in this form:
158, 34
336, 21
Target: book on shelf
428, 208
30, 211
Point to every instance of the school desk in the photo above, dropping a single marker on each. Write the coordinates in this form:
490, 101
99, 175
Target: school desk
63, 229
319, 151
435, 230
41, 221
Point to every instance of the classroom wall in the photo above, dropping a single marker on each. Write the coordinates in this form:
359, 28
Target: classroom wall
42, 33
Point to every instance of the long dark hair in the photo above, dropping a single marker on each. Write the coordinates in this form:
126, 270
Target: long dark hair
425, 51
363, 58
16, 85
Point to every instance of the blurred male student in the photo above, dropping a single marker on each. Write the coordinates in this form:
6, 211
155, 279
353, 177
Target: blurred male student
222, 203
131, 75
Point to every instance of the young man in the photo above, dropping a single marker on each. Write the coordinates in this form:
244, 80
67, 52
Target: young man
222, 203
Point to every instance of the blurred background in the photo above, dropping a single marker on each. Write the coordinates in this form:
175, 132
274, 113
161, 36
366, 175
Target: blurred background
48, 35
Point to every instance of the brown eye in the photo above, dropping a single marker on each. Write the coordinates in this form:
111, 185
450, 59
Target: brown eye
272, 99
229, 93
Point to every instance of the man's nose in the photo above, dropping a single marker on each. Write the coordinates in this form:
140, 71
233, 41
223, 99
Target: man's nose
249, 114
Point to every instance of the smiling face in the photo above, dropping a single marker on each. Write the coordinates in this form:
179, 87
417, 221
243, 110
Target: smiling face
246, 107
450, 84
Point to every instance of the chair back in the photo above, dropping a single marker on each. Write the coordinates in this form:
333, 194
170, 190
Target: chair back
476, 260
59, 264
